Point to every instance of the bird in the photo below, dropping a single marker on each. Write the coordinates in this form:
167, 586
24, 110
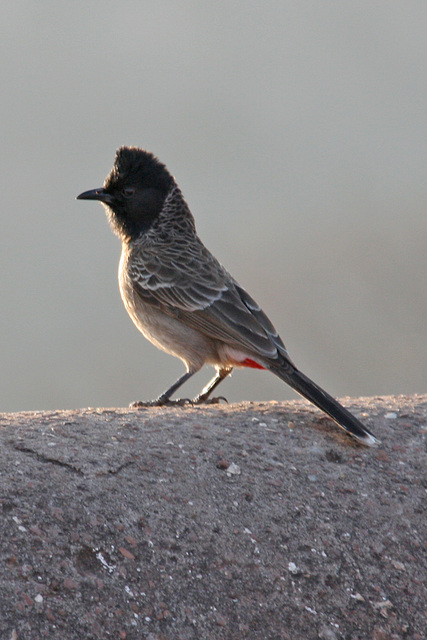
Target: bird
182, 299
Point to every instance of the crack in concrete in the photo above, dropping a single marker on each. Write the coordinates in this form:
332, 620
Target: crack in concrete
47, 459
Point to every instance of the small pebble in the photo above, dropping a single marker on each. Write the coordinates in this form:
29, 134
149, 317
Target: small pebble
326, 633
233, 470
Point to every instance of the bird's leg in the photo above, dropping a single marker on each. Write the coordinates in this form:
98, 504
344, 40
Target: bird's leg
206, 392
164, 399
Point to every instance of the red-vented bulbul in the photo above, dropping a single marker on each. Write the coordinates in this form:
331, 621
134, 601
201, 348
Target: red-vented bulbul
181, 298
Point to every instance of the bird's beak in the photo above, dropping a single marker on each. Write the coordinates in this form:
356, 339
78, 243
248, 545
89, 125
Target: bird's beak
96, 194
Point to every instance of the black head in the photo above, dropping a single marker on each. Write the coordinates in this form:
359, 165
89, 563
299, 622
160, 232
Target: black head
133, 192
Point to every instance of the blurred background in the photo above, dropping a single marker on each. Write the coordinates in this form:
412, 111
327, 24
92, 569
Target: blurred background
297, 132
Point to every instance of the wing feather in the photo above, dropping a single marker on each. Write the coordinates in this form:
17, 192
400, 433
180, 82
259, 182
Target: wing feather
191, 285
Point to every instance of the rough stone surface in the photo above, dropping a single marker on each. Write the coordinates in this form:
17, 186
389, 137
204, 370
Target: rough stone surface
259, 521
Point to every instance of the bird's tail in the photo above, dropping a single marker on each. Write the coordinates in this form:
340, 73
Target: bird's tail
310, 390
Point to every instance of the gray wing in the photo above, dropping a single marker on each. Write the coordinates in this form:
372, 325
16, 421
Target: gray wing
191, 285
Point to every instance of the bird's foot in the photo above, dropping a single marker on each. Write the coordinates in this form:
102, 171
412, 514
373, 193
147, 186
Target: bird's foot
202, 400
180, 402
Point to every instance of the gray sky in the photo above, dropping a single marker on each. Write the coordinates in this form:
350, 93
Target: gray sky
297, 132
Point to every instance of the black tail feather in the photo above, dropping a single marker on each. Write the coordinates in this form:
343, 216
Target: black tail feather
310, 390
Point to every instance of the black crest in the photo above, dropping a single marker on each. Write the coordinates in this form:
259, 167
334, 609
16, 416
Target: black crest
134, 166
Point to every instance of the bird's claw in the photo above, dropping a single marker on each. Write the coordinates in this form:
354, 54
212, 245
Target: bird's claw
217, 400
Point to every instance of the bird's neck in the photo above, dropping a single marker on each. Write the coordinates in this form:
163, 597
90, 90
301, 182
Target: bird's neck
175, 217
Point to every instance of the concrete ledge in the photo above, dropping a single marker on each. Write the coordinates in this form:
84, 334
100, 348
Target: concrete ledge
236, 521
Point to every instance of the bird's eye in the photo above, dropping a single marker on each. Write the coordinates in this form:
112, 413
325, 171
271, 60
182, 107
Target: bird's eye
128, 192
